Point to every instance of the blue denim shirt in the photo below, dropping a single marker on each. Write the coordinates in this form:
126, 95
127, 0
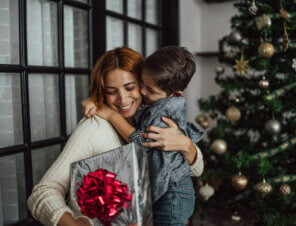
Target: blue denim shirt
165, 166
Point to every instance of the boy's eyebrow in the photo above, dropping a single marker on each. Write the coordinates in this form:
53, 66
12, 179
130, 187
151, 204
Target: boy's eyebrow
129, 83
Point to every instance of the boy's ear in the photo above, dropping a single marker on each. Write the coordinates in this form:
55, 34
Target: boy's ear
178, 94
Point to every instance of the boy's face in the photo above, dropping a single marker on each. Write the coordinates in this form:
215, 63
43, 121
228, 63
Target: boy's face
149, 90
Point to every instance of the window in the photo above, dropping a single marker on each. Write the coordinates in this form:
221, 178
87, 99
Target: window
47, 50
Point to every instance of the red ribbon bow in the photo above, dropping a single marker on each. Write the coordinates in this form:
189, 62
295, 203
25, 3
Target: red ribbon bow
101, 196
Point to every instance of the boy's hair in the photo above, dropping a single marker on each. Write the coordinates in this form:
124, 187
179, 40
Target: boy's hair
171, 67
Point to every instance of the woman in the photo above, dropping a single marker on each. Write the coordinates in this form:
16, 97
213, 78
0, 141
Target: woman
114, 81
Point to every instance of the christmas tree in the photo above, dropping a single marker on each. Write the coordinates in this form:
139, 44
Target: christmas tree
250, 147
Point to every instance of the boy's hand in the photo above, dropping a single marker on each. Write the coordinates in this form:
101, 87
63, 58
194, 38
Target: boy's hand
88, 107
105, 112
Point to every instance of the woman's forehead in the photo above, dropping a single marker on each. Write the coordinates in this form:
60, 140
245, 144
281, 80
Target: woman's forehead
119, 77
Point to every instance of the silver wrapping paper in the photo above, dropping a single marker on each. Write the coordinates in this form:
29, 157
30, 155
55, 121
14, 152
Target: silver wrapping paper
129, 163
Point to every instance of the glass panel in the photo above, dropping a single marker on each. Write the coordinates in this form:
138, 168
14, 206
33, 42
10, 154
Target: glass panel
12, 189
76, 90
42, 33
135, 37
76, 45
151, 41
115, 5
9, 35
134, 8
11, 132
42, 159
152, 8
114, 33
44, 106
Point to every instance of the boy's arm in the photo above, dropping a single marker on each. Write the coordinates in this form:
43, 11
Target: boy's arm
119, 123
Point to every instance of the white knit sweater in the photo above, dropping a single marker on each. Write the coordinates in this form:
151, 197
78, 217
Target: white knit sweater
91, 137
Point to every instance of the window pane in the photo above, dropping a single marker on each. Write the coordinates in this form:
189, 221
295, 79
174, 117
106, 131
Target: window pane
135, 37
42, 159
76, 90
76, 45
11, 132
44, 106
134, 8
152, 11
115, 6
12, 189
42, 33
114, 33
9, 35
151, 41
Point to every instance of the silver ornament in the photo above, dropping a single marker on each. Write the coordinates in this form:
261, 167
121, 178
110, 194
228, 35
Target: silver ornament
235, 37
263, 21
206, 191
220, 69
253, 9
263, 83
219, 146
263, 188
285, 189
273, 126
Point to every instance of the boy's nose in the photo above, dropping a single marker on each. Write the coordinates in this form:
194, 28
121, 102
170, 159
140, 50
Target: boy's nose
143, 91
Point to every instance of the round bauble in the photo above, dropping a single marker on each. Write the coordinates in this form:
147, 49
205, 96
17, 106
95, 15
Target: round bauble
263, 21
239, 181
273, 127
285, 189
220, 69
263, 83
202, 120
219, 146
235, 37
233, 114
235, 217
266, 50
206, 191
263, 188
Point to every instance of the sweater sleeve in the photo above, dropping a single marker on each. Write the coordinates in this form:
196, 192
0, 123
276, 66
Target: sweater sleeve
47, 201
198, 166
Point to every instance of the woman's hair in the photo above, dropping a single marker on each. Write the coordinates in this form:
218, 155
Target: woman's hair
120, 58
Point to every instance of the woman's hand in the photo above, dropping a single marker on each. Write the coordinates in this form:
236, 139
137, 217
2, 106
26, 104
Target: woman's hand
171, 139
88, 107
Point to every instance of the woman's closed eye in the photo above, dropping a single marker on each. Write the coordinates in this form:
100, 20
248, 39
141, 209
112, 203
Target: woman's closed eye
130, 88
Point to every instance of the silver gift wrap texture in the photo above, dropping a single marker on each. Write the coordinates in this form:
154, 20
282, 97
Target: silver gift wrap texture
129, 163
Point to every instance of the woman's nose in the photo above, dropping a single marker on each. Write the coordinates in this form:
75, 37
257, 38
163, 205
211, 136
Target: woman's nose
122, 96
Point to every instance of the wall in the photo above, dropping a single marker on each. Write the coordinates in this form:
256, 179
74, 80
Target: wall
201, 26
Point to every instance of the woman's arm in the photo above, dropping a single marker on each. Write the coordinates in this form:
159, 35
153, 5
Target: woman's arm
47, 201
172, 139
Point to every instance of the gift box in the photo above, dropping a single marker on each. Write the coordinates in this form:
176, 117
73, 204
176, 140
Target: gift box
112, 188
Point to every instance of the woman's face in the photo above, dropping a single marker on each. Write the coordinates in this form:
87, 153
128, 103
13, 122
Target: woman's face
123, 92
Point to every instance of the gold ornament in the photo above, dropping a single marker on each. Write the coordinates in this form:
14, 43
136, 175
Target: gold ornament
239, 181
263, 21
241, 66
284, 14
202, 120
263, 83
266, 50
285, 189
219, 146
233, 114
206, 191
263, 188
286, 39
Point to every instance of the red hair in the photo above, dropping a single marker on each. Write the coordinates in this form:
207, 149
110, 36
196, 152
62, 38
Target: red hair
120, 58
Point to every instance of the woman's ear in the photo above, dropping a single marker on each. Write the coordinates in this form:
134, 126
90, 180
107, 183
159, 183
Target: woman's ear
177, 94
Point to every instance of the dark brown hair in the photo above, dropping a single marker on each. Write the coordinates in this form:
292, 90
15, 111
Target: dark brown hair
171, 67
120, 58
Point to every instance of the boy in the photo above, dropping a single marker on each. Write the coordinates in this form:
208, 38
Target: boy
166, 73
